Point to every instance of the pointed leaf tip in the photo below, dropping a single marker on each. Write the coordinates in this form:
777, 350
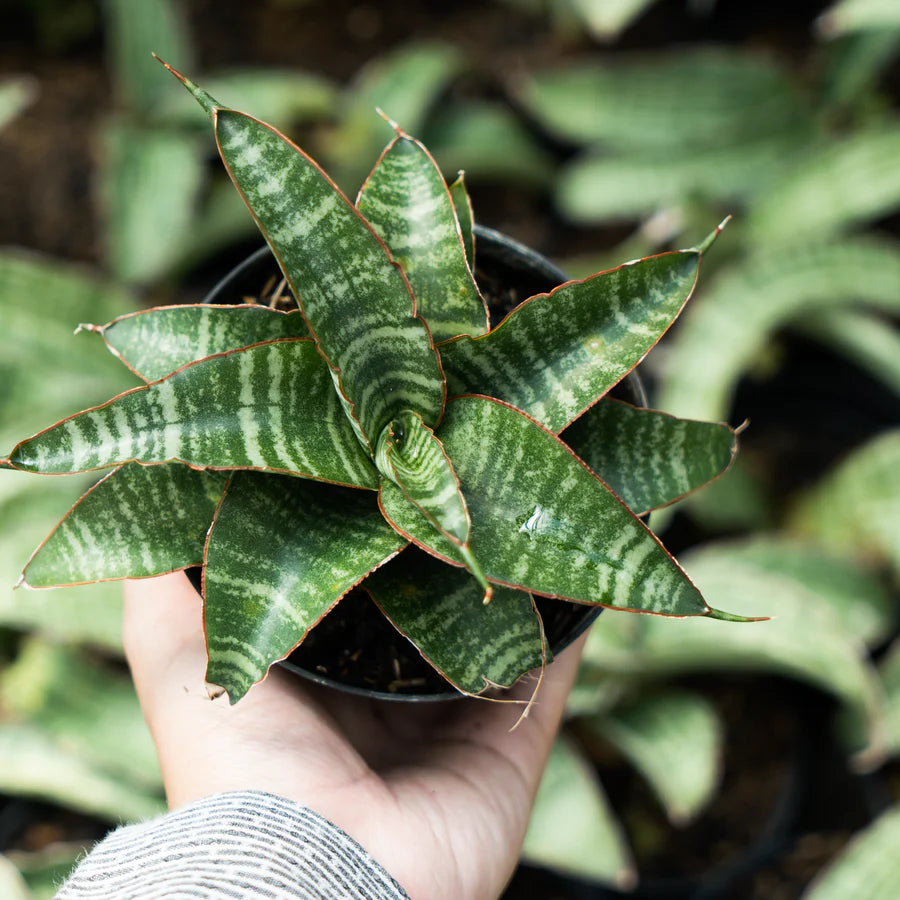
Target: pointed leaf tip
400, 132
208, 102
723, 616
709, 240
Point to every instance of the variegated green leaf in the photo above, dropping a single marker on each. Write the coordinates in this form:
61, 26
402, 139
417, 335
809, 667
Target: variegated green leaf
868, 869
675, 739
686, 99
46, 869
855, 65
606, 19
34, 764
573, 827
462, 206
556, 354
856, 595
492, 143
541, 521
271, 406
87, 707
17, 92
858, 15
356, 301
133, 33
12, 885
869, 340
281, 553
407, 202
404, 83
842, 184
805, 640
440, 609
725, 329
75, 615
648, 458
135, 522
155, 342
889, 672
599, 187
150, 188
411, 456
276, 95
855, 508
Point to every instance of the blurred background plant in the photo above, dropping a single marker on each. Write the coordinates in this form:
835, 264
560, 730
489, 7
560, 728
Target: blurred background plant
700, 759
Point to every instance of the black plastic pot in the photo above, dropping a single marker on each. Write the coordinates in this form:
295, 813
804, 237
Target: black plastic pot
508, 272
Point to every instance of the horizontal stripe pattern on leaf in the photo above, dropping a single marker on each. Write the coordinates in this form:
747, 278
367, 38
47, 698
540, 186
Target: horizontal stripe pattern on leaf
412, 457
135, 522
541, 521
440, 610
556, 354
649, 458
271, 406
355, 299
155, 342
281, 553
407, 202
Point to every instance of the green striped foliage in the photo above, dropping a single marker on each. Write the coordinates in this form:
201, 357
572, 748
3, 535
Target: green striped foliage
556, 353
281, 553
473, 645
648, 458
410, 455
723, 332
842, 184
868, 868
688, 99
348, 286
573, 827
137, 521
462, 206
541, 521
675, 738
155, 342
407, 202
266, 407
350, 391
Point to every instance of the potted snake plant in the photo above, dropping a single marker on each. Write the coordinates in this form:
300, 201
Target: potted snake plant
374, 436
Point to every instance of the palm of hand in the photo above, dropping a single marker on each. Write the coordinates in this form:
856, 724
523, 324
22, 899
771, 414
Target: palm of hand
438, 793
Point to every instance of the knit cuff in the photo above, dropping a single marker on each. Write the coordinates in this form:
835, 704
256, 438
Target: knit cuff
246, 844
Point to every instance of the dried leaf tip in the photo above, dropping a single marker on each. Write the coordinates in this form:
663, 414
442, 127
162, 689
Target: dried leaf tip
708, 241
87, 326
214, 691
400, 132
20, 583
208, 102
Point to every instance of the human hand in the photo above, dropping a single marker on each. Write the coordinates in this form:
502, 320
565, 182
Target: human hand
439, 793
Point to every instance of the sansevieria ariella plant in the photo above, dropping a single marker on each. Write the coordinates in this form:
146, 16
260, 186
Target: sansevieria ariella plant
380, 435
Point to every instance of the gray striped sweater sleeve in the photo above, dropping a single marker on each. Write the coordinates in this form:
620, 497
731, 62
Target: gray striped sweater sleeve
237, 845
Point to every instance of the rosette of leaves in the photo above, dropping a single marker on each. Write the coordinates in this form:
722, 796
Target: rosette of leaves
298, 454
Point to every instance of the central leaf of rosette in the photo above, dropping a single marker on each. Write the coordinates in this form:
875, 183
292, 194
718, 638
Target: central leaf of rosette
409, 455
